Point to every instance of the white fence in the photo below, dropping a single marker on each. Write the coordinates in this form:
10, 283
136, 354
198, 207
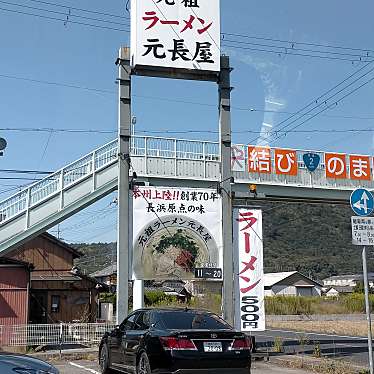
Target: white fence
87, 334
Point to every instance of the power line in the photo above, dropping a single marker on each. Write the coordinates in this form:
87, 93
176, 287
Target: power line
156, 98
56, 83
286, 49
16, 171
170, 131
44, 129
293, 42
80, 9
20, 178
345, 96
300, 112
286, 53
68, 15
44, 153
63, 20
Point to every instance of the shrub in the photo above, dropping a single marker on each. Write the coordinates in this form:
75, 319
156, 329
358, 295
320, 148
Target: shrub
282, 305
108, 297
155, 298
355, 303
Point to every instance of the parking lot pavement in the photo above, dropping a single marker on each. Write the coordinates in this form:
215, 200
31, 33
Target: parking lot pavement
78, 367
85, 367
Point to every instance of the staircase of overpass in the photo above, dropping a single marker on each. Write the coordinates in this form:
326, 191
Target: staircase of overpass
158, 161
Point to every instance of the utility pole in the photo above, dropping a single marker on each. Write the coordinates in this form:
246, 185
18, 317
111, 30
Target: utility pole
225, 182
124, 214
367, 304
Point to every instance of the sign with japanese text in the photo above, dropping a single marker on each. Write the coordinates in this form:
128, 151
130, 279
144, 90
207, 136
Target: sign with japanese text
288, 162
362, 230
285, 162
249, 270
259, 159
181, 34
359, 167
175, 231
336, 166
238, 158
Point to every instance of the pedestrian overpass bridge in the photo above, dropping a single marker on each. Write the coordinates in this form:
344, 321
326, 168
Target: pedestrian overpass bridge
160, 162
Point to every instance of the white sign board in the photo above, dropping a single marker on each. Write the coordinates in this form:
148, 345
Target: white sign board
362, 230
238, 158
175, 230
181, 34
249, 282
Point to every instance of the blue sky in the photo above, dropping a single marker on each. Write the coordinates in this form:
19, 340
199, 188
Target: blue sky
46, 50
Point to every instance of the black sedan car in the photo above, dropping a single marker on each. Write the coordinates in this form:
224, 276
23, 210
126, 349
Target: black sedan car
166, 341
11, 363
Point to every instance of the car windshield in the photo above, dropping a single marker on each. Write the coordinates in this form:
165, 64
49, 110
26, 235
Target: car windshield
187, 320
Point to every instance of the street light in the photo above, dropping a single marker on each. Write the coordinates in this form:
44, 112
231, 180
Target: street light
3, 145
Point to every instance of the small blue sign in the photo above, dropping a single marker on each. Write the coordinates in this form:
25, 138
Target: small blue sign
311, 161
362, 202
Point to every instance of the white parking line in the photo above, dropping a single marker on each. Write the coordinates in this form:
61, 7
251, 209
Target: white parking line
84, 368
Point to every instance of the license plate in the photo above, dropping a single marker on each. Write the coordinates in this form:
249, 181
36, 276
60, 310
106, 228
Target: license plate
212, 347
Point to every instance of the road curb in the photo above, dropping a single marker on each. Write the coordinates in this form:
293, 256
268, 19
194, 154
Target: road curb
70, 354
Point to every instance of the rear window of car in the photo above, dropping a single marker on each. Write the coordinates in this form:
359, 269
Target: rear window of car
175, 320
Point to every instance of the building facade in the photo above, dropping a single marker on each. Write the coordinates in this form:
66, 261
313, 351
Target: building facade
291, 284
14, 291
57, 292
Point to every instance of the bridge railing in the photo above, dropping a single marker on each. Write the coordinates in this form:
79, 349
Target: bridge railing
176, 153
54, 183
64, 178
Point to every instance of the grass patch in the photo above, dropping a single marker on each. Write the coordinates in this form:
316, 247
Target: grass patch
298, 305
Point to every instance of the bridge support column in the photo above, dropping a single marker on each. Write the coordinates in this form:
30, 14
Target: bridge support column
225, 187
124, 214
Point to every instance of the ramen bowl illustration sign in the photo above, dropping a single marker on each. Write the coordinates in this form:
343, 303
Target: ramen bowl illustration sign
170, 246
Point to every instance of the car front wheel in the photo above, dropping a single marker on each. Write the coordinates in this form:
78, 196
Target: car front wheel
104, 359
143, 366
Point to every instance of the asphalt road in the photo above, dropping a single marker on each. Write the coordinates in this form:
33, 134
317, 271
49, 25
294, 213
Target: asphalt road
353, 349
87, 367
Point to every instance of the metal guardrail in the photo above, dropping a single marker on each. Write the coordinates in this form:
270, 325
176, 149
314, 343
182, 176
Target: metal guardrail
53, 334
69, 175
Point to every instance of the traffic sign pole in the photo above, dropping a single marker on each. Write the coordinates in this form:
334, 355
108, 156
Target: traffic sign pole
362, 203
367, 304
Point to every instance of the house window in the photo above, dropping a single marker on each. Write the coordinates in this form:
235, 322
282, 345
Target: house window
55, 305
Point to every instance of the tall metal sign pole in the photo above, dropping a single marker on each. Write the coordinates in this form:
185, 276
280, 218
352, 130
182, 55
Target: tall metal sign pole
368, 312
362, 203
124, 214
175, 47
225, 151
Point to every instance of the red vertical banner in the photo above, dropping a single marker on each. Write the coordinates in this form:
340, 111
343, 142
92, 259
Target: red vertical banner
285, 162
249, 270
359, 167
336, 166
